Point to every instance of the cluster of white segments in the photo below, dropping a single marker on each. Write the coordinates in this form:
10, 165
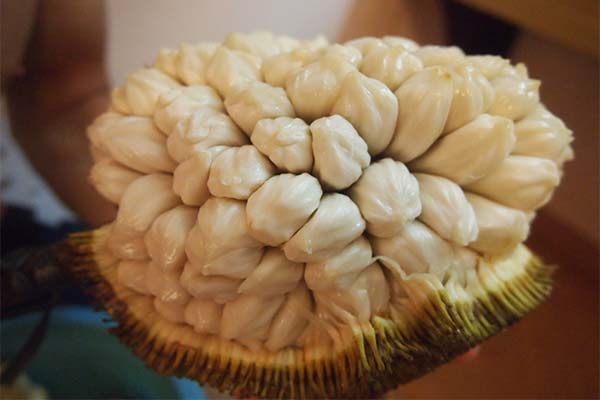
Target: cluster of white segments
264, 182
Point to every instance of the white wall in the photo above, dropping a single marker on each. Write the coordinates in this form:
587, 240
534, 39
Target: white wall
138, 28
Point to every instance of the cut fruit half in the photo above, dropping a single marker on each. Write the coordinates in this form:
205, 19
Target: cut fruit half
305, 219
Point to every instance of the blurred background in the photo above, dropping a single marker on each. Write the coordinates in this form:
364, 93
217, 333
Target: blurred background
554, 352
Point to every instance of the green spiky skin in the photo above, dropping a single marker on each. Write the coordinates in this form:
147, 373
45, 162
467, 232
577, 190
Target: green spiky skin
367, 361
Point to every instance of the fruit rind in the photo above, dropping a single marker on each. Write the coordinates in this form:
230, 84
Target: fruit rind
367, 360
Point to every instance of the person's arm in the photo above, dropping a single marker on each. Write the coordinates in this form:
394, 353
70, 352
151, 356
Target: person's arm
64, 86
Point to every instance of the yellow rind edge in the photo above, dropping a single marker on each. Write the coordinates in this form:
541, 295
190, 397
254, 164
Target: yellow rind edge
372, 359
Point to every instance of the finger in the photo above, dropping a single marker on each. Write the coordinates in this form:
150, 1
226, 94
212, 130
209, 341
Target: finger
469, 355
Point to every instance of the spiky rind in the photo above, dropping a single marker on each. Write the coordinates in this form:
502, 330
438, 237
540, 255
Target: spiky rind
367, 360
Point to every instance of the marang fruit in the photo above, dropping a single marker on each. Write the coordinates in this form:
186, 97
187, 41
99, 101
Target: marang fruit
300, 219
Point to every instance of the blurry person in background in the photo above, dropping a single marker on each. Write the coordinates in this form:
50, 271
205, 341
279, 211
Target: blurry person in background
53, 84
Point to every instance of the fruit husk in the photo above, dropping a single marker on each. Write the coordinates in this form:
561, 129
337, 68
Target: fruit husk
433, 323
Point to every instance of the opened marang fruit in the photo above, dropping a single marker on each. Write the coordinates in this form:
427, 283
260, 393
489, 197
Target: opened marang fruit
298, 219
